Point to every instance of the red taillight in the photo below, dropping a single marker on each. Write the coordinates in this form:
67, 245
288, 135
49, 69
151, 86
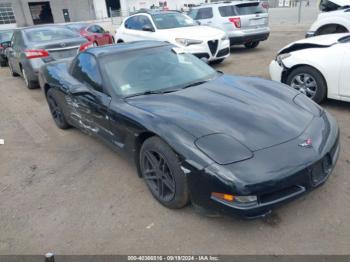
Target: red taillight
30, 54
236, 21
85, 46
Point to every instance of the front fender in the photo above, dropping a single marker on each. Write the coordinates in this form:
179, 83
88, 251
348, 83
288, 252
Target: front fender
320, 22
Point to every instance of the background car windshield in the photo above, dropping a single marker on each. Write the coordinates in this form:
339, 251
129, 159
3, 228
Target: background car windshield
172, 20
49, 34
76, 27
6, 36
241, 9
154, 70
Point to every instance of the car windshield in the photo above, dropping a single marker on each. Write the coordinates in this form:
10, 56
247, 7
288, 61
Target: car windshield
154, 70
241, 9
6, 36
49, 34
76, 27
172, 20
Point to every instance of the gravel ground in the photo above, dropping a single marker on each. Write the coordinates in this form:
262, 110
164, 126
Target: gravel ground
65, 192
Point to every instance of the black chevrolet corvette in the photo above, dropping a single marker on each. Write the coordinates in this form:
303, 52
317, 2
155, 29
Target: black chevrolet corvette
236, 145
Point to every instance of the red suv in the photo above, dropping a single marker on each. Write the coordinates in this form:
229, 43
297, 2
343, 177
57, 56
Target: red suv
92, 32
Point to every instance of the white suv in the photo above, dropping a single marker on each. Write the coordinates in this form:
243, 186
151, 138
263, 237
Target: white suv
245, 22
207, 43
334, 18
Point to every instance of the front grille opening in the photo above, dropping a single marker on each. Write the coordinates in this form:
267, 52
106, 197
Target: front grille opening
213, 46
276, 195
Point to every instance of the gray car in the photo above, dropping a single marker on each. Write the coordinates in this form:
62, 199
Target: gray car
32, 47
245, 22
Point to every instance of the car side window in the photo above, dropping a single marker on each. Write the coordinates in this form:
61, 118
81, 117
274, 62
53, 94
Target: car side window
99, 29
144, 21
85, 70
132, 23
204, 13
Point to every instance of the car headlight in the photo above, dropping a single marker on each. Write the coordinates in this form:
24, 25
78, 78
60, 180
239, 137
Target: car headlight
281, 57
219, 147
225, 37
187, 42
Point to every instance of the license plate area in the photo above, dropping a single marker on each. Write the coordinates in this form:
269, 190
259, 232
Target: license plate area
257, 22
63, 53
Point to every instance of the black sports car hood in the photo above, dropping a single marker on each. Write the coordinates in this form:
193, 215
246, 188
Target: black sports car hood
257, 112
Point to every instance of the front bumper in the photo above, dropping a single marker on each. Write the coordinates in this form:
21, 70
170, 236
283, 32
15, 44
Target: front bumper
298, 171
210, 50
276, 71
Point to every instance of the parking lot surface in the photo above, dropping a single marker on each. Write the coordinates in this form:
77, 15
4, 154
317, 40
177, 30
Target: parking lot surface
68, 193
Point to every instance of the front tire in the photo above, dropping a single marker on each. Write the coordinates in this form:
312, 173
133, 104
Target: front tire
308, 81
251, 45
56, 110
161, 171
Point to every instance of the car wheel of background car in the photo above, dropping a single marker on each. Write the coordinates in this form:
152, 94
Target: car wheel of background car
308, 81
120, 41
331, 29
160, 169
94, 44
3, 63
14, 74
56, 111
29, 84
252, 44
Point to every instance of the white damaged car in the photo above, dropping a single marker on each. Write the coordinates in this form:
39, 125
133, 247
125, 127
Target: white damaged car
207, 43
318, 66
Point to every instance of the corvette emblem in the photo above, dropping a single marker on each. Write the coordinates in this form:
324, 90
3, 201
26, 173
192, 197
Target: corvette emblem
307, 143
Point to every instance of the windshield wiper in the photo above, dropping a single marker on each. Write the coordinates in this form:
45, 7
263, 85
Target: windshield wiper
195, 84
154, 92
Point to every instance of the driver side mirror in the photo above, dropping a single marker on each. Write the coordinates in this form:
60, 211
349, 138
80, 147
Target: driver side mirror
148, 28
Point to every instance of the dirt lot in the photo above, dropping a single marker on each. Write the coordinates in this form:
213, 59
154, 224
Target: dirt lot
66, 192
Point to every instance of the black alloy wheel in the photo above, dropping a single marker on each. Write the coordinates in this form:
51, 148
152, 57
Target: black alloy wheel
161, 171
56, 111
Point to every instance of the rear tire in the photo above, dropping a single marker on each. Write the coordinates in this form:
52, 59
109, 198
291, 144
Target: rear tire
120, 41
161, 171
29, 83
56, 110
13, 73
251, 45
297, 77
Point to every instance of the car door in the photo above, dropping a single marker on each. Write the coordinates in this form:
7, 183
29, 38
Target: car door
91, 102
98, 33
204, 15
135, 29
14, 52
344, 87
102, 34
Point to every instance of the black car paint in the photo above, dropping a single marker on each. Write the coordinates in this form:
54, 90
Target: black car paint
260, 114
20, 42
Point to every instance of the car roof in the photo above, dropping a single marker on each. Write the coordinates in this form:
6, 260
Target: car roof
40, 26
223, 3
155, 11
108, 50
